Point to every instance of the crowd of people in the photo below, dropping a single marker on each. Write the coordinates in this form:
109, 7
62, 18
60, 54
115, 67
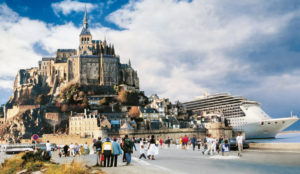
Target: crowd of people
210, 145
109, 149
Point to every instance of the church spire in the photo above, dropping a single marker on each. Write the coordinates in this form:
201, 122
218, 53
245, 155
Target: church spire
85, 23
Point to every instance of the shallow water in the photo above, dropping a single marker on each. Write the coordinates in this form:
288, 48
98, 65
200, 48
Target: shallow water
280, 138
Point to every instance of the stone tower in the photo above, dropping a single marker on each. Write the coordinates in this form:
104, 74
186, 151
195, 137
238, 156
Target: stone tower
85, 38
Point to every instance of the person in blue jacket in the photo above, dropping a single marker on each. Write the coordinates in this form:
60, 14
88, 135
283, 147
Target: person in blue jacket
194, 141
116, 152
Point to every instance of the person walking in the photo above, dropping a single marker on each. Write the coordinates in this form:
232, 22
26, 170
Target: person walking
239, 143
209, 145
185, 141
161, 143
168, 142
128, 149
220, 144
194, 141
116, 152
142, 152
48, 149
98, 146
213, 145
66, 150
204, 144
85, 146
152, 150
107, 151
199, 143
180, 142
71, 149
177, 143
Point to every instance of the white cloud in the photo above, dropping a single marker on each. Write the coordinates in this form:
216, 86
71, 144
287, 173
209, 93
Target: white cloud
68, 6
6, 84
176, 41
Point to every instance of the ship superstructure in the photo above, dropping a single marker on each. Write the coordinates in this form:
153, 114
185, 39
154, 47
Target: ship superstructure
242, 114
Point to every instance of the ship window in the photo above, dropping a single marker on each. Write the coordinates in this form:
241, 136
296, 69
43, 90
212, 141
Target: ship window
276, 122
262, 123
283, 122
269, 123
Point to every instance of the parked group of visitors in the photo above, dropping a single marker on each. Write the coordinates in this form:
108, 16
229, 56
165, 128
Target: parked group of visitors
72, 150
210, 145
109, 151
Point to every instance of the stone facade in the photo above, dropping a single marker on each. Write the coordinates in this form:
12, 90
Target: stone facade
87, 125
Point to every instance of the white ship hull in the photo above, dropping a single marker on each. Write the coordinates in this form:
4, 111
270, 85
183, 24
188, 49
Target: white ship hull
270, 128
257, 124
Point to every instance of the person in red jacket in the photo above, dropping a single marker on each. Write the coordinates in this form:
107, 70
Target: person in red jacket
160, 142
185, 141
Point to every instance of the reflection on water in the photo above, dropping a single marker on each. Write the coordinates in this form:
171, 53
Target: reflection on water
280, 138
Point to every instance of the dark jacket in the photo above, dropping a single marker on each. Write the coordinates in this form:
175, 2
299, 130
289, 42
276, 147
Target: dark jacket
98, 145
128, 145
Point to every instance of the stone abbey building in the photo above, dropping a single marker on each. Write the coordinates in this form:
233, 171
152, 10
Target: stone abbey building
93, 63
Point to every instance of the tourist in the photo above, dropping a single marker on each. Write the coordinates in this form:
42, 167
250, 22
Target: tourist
107, 151
152, 150
177, 143
180, 142
213, 145
122, 146
199, 143
133, 144
72, 149
66, 150
142, 152
116, 148
48, 148
161, 143
209, 145
225, 147
77, 149
59, 151
204, 145
128, 149
185, 141
168, 142
239, 143
98, 146
194, 141
85, 146
220, 144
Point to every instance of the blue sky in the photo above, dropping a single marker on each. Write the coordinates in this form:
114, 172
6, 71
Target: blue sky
179, 48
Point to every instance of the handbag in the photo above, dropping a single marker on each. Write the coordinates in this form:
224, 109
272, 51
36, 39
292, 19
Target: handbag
102, 157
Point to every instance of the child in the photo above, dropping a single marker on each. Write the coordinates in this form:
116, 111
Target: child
225, 147
142, 152
59, 152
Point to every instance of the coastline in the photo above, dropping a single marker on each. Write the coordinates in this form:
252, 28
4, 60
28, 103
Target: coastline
288, 132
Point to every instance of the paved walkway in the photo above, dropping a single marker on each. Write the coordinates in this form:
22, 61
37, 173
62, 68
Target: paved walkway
177, 161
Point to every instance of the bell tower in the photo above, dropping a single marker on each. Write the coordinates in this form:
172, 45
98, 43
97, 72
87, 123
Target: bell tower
85, 38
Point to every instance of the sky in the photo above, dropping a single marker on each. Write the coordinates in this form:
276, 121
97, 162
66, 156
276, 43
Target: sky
180, 48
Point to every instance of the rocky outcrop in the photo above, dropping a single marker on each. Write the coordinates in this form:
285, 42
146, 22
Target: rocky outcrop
25, 125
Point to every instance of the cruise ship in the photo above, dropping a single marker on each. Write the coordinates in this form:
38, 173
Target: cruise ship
242, 114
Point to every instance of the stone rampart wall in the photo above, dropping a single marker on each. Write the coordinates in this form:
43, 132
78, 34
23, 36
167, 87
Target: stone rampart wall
164, 133
65, 139
11, 113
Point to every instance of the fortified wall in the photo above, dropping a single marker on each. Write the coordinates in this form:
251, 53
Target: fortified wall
11, 113
65, 139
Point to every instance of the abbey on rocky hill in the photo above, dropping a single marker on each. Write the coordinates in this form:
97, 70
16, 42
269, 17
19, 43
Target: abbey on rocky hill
93, 63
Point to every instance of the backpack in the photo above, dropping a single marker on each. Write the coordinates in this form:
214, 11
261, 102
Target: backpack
128, 145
